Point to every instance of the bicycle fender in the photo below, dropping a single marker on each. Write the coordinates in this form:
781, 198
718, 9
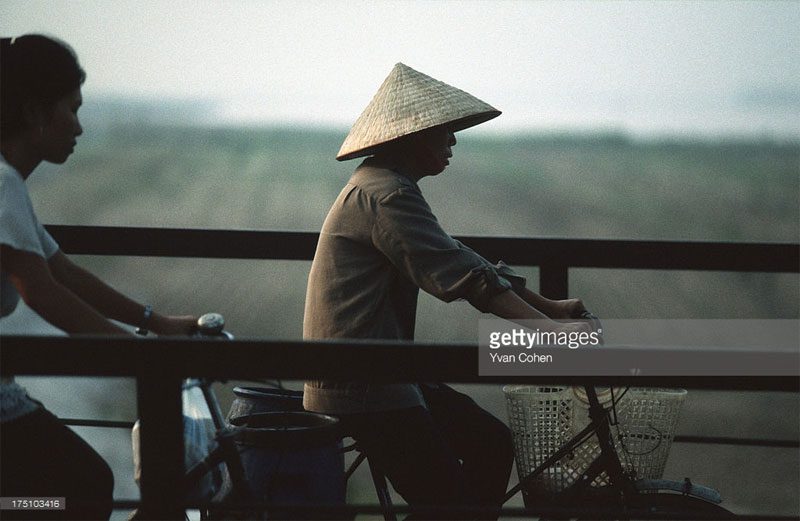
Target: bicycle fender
685, 487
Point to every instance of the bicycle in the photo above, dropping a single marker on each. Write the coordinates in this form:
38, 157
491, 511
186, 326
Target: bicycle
624, 495
217, 475
206, 478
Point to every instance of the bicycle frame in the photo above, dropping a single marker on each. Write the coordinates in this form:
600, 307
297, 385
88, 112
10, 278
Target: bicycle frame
226, 451
608, 458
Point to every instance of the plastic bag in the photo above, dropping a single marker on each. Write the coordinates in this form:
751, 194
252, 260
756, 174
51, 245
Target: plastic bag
198, 438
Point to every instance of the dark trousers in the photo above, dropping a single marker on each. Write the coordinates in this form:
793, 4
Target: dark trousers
40, 457
452, 453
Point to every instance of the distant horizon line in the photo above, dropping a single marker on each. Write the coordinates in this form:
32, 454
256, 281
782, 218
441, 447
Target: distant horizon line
174, 111
595, 134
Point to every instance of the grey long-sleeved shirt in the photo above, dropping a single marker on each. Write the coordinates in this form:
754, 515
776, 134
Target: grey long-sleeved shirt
379, 244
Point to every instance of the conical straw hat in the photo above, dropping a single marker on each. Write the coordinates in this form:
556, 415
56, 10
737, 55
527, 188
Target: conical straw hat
407, 102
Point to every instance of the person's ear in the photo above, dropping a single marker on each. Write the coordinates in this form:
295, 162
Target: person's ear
34, 116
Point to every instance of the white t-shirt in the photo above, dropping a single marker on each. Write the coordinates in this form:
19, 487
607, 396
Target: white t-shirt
20, 229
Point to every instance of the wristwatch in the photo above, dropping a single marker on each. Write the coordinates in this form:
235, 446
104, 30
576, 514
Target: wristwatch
142, 329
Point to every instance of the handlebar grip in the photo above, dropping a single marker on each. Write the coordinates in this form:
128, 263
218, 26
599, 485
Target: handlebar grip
594, 322
589, 315
212, 325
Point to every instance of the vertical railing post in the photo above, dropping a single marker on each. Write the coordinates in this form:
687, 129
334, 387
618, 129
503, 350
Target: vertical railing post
161, 444
553, 280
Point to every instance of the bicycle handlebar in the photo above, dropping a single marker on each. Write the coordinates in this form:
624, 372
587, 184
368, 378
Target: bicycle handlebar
594, 322
212, 325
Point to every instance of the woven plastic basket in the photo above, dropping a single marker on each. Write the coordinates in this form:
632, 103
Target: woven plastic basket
542, 419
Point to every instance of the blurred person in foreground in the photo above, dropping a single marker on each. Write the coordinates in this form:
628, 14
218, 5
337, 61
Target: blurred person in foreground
379, 245
40, 94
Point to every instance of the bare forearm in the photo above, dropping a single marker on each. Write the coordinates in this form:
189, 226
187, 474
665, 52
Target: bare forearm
511, 306
113, 304
97, 294
556, 309
543, 304
63, 309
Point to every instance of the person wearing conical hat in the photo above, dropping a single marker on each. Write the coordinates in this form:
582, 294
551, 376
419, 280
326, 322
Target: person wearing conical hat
380, 243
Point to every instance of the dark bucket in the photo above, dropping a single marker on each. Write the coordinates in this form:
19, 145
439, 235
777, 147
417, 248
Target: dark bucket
254, 400
292, 458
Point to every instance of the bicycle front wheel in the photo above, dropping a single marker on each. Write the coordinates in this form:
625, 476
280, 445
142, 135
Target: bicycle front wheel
676, 506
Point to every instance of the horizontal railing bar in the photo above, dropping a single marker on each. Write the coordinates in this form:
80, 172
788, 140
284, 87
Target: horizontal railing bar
631, 254
756, 442
174, 242
113, 424
576, 253
751, 442
369, 361
351, 510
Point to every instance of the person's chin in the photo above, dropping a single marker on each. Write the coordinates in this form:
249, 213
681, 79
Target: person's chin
59, 159
434, 168
433, 173
439, 168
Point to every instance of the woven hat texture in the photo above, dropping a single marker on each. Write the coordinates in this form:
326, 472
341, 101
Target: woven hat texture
407, 102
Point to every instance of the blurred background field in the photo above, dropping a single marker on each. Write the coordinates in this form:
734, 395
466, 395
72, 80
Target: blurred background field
583, 185
593, 186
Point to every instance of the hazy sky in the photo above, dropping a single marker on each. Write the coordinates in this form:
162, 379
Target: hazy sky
731, 67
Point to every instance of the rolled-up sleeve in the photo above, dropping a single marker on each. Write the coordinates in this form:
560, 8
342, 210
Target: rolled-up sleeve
408, 234
503, 270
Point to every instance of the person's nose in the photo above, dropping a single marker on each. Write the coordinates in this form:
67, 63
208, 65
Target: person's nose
451, 140
78, 128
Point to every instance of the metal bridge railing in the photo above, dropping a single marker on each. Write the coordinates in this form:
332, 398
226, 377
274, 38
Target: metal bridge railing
553, 256
159, 365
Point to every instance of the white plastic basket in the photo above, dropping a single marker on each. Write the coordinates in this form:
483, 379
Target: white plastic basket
543, 419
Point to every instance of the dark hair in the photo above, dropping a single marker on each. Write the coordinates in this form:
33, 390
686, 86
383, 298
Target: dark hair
34, 69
